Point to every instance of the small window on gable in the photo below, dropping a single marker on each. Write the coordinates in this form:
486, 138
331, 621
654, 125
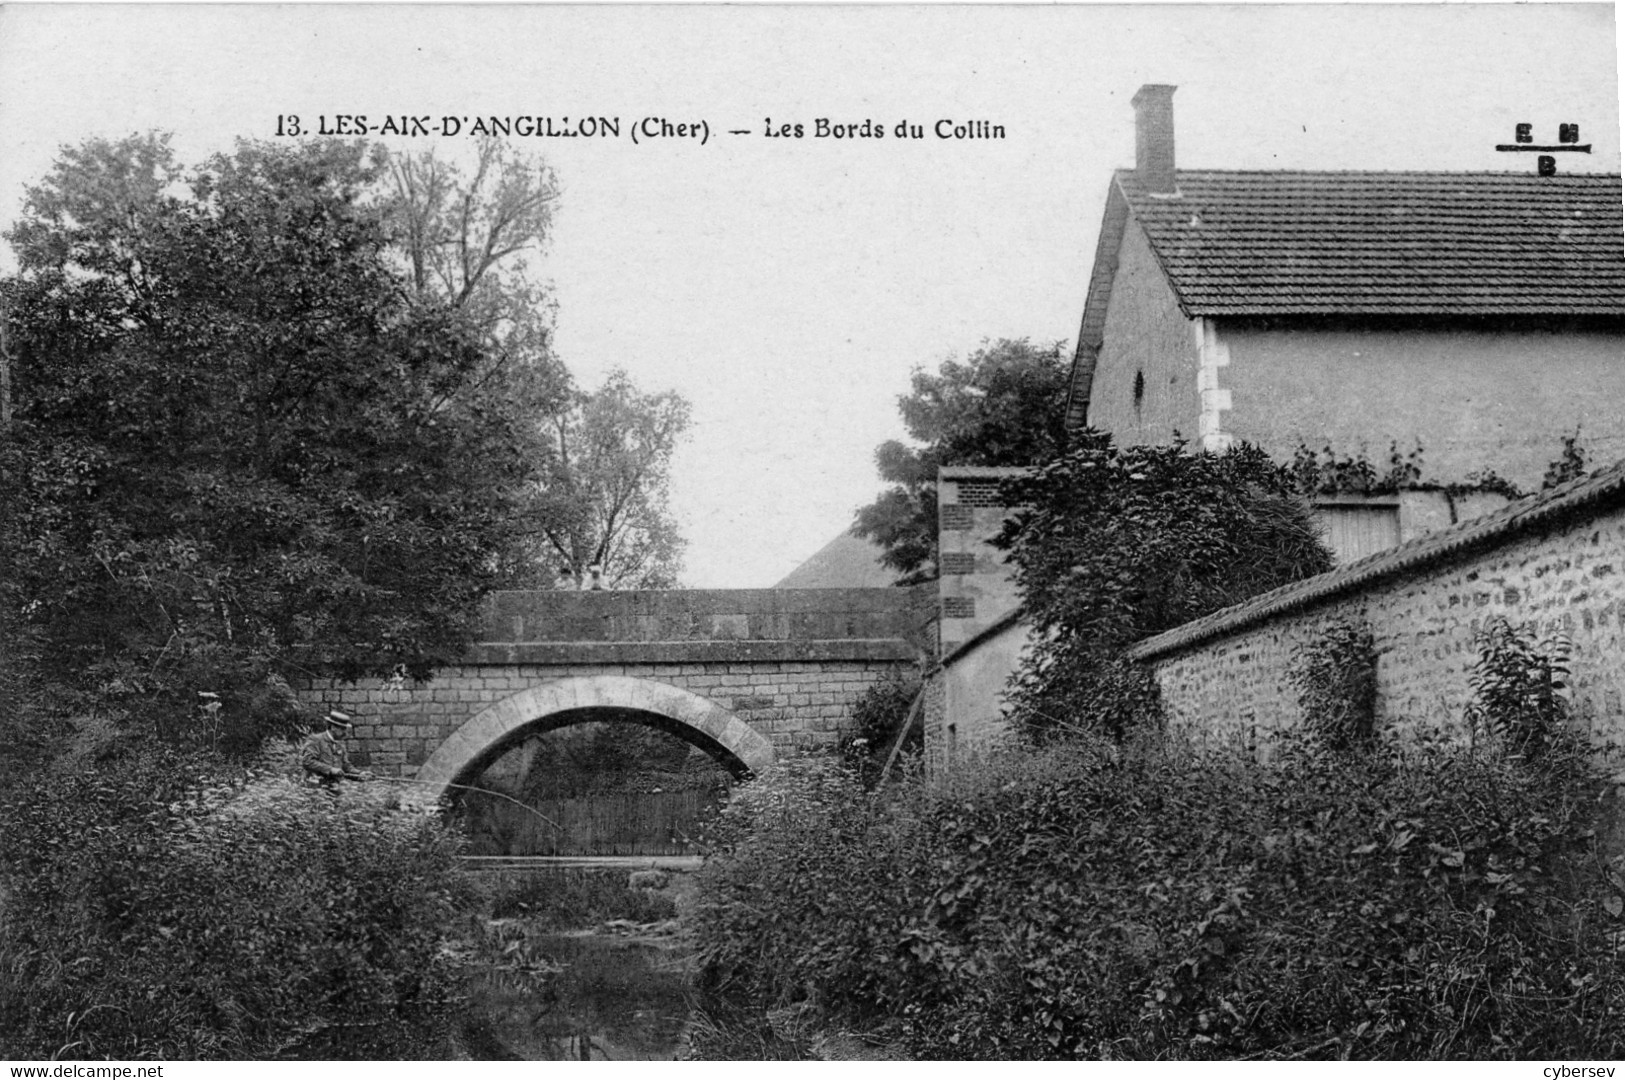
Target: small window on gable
1139, 388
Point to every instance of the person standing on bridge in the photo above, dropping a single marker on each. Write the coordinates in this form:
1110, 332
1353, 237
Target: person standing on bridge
324, 757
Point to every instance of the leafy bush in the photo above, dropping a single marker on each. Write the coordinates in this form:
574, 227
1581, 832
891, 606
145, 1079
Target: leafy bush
876, 715
809, 894
1139, 901
1336, 679
148, 916
1115, 544
1518, 686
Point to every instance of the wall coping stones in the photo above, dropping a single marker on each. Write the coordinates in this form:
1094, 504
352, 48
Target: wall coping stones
981, 472
1605, 489
655, 616
613, 602
688, 652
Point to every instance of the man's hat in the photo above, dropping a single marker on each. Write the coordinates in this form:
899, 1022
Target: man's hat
338, 719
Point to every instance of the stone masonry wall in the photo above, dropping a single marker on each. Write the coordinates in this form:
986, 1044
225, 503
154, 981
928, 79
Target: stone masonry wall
788, 662
799, 706
1556, 562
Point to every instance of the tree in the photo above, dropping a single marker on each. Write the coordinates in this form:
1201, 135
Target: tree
602, 499
241, 449
470, 243
1115, 544
1005, 405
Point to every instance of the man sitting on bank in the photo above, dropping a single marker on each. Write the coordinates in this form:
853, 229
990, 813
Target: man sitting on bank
323, 755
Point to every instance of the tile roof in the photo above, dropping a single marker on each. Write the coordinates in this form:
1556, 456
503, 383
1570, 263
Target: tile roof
1318, 243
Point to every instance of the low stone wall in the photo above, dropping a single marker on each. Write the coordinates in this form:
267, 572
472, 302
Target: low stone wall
1555, 561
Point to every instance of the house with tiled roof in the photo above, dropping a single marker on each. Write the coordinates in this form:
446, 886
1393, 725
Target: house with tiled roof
1478, 316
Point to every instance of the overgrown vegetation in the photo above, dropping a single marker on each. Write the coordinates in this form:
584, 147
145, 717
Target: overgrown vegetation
1111, 893
725, 1030
1570, 463
155, 909
1518, 686
877, 715
1335, 676
1114, 544
1138, 901
1325, 472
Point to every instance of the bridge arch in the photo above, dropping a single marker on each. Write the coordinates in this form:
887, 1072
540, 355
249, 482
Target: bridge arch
490, 732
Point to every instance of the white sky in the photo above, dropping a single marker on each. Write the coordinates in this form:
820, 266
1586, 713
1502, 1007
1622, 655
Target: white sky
787, 287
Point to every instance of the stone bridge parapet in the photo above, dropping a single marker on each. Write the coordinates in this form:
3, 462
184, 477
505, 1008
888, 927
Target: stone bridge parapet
704, 625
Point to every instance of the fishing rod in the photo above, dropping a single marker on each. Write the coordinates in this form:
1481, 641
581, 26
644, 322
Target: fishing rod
471, 787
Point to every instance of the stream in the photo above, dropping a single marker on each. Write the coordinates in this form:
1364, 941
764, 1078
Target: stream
613, 999
577, 986
616, 990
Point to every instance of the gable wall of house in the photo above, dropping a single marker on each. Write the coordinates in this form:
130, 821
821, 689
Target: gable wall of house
1146, 334
1473, 399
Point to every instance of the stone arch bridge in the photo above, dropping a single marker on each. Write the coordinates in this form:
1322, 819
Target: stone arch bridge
748, 675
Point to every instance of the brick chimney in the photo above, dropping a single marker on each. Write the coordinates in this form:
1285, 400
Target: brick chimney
1154, 138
